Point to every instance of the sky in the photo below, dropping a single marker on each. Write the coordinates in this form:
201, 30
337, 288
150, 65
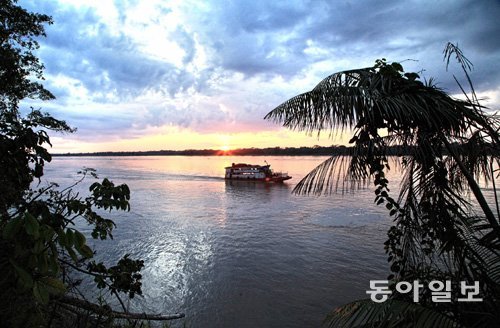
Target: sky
138, 75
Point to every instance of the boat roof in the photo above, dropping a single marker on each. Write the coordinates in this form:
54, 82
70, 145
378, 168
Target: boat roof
244, 165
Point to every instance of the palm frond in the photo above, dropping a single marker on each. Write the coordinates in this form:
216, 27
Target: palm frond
447, 145
366, 101
353, 98
482, 250
391, 313
339, 172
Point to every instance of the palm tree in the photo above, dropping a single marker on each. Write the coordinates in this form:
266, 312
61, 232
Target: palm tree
443, 146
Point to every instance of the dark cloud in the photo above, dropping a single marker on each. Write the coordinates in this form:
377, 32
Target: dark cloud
270, 38
81, 47
262, 16
109, 64
185, 40
262, 37
261, 40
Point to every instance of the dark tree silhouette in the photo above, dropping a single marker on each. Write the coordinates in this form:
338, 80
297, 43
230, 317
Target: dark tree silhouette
40, 248
448, 145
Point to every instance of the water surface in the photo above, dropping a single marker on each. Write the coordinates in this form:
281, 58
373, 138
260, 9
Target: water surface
238, 254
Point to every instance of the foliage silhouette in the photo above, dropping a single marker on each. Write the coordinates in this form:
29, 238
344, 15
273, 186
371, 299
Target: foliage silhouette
449, 144
40, 247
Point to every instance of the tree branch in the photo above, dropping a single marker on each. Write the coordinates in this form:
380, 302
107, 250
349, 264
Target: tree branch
106, 311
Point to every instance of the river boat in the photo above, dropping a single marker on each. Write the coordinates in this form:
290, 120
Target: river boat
250, 172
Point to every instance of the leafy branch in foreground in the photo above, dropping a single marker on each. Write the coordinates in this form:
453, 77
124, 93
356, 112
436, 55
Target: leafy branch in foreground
42, 251
447, 146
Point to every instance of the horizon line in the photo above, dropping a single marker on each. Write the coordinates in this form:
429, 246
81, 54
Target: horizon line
213, 150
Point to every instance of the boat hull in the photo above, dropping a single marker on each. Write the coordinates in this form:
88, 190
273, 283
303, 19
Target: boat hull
249, 172
266, 180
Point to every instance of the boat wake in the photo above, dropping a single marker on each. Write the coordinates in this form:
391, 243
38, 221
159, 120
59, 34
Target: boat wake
191, 177
142, 175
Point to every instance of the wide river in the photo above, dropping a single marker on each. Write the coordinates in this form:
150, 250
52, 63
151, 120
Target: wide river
238, 254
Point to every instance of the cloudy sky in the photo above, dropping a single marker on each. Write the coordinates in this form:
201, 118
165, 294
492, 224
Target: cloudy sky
158, 74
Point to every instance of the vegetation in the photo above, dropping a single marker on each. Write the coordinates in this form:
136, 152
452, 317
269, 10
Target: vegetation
446, 145
439, 232
271, 151
42, 253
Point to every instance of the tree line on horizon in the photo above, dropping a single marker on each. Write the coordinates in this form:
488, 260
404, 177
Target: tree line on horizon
393, 150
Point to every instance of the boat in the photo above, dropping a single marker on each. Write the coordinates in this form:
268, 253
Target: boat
249, 172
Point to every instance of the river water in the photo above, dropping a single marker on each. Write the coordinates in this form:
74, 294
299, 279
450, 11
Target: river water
238, 254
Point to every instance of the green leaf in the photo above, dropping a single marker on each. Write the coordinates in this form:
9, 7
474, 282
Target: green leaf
32, 226
41, 293
412, 76
38, 172
46, 232
72, 253
24, 277
70, 239
53, 262
94, 186
86, 251
12, 228
63, 240
32, 261
38, 247
397, 66
55, 285
79, 239
42, 262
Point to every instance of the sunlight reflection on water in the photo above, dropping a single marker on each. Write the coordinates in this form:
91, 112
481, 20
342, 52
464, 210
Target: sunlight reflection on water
243, 254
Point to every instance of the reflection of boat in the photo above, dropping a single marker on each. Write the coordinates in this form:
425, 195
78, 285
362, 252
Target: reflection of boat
250, 172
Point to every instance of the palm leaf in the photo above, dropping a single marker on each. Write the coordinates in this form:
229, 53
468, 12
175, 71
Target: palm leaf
339, 172
391, 313
367, 101
447, 144
364, 96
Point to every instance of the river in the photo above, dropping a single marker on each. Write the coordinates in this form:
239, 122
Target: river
238, 254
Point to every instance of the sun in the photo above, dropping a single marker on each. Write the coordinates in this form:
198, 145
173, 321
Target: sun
224, 150
225, 142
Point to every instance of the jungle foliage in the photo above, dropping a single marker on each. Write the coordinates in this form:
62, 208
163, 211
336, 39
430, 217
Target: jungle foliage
42, 253
443, 227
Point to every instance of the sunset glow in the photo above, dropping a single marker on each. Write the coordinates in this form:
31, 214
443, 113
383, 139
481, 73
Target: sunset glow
180, 139
153, 75
236, 163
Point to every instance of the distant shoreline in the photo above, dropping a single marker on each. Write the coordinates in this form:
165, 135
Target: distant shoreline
287, 151
271, 151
